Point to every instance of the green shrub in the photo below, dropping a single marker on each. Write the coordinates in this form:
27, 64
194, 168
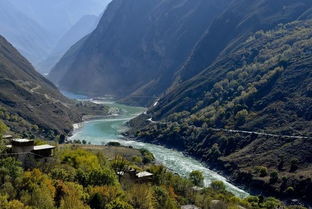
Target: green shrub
273, 177
290, 191
197, 178
114, 144
218, 186
261, 170
293, 165
137, 159
148, 157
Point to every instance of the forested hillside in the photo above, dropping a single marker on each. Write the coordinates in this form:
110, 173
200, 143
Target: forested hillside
79, 178
263, 82
140, 49
238, 21
262, 85
30, 104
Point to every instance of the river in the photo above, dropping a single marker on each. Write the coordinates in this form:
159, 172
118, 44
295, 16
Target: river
102, 131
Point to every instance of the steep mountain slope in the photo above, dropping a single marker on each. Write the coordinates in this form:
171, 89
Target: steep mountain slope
136, 47
262, 85
30, 38
82, 28
35, 27
59, 16
178, 40
29, 103
237, 22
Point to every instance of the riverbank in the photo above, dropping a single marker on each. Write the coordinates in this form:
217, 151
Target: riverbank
235, 169
104, 130
109, 151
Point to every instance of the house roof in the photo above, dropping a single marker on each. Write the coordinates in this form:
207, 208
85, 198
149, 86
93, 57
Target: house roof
22, 140
144, 174
189, 207
43, 147
7, 136
196, 188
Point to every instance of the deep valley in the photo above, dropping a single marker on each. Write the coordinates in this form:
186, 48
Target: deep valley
156, 104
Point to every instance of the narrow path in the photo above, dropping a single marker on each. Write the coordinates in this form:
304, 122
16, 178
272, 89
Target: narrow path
244, 132
33, 90
258, 133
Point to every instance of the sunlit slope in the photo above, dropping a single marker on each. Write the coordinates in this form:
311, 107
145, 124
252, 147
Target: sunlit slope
29, 103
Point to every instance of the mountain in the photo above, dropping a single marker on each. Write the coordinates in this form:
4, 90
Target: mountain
28, 36
82, 28
30, 104
180, 39
41, 26
59, 16
136, 48
249, 112
236, 23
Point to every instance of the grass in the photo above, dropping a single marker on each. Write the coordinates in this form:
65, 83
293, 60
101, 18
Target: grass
111, 151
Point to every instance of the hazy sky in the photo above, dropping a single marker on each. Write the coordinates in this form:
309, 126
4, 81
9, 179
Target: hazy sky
57, 16
35, 27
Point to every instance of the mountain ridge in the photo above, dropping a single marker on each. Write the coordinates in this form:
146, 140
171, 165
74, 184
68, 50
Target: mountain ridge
263, 85
146, 56
28, 36
30, 104
151, 60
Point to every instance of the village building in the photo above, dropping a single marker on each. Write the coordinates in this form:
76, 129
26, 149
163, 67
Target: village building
7, 137
23, 147
144, 176
189, 207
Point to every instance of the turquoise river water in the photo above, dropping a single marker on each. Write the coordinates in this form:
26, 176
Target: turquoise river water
102, 131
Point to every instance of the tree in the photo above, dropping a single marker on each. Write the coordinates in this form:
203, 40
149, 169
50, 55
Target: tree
241, 117
218, 186
214, 152
281, 164
101, 196
79, 158
41, 198
101, 177
3, 129
97, 201
159, 174
273, 177
148, 157
120, 164
271, 203
14, 204
141, 197
293, 165
10, 167
289, 191
73, 196
263, 171
163, 199
197, 178
62, 139
118, 204
63, 174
